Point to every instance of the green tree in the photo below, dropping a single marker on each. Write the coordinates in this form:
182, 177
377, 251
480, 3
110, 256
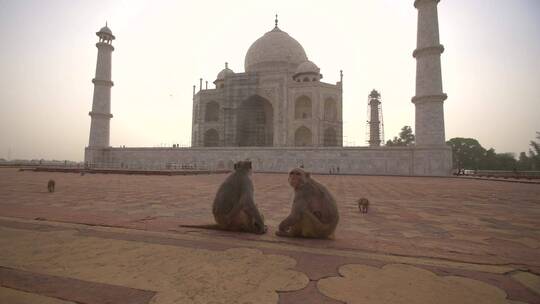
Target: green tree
505, 161
406, 138
489, 161
395, 142
524, 162
534, 153
467, 153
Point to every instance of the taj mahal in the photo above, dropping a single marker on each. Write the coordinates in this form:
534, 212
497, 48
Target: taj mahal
280, 114
279, 101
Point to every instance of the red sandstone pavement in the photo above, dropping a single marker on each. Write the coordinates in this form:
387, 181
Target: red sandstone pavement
483, 230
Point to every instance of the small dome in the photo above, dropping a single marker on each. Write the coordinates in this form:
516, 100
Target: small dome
374, 94
105, 33
105, 30
307, 67
225, 72
274, 50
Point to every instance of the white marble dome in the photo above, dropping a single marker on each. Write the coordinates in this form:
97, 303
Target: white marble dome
106, 30
273, 51
307, 67
105, 33
225, 72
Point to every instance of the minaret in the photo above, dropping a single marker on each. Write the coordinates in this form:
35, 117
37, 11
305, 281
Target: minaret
429, 99
374, 105
101, 104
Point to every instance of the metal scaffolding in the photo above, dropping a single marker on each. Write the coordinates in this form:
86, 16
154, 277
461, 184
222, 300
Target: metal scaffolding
375, 122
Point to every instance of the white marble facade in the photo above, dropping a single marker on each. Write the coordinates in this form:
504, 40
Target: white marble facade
343, 160
279, 101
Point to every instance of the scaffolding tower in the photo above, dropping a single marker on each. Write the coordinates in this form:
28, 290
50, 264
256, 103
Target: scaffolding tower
254, 125
375, 122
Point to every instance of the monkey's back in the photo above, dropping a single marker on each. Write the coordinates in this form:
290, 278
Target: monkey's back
230, 192
321, 200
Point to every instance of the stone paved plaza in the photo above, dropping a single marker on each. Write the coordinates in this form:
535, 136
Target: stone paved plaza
115, 239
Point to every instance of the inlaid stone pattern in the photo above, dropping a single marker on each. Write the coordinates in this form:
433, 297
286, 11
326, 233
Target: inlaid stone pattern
178, 274
403, 284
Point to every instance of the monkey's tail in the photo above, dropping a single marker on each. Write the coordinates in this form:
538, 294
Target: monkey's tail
208, 226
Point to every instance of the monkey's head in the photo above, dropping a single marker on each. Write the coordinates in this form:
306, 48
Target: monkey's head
298, 177
243, 166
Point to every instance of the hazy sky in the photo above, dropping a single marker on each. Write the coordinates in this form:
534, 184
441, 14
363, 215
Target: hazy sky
491, 66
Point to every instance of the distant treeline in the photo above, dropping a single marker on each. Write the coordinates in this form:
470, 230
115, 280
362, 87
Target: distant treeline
39, 162
468, 153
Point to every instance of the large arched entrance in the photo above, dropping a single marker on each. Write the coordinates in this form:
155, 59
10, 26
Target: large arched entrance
255, 122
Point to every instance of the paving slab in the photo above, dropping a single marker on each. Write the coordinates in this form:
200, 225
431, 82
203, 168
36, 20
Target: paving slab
13, 296
462, 237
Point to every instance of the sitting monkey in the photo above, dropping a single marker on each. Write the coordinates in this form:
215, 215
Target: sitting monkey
50, 185
363, 205
234, 208
314, 212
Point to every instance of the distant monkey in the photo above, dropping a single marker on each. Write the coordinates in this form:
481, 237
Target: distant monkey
50, 185
363, 205
314, 212
234, 208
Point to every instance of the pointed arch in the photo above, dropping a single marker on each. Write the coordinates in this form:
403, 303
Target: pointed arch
211, 138
330, 110
330, 137
255, 123
303, 137
211, 112
303, 108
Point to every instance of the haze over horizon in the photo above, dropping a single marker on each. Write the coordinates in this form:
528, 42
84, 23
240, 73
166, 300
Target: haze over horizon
490, 66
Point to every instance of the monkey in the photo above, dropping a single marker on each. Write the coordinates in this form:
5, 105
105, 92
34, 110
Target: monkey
314, 212
234, 208
50, 185
363, 205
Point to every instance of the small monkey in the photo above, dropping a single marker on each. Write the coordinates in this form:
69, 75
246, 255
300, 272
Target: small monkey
234, 208
363, 205
314, 212
50, 185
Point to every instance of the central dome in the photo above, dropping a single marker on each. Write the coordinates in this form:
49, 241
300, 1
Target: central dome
274, 51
